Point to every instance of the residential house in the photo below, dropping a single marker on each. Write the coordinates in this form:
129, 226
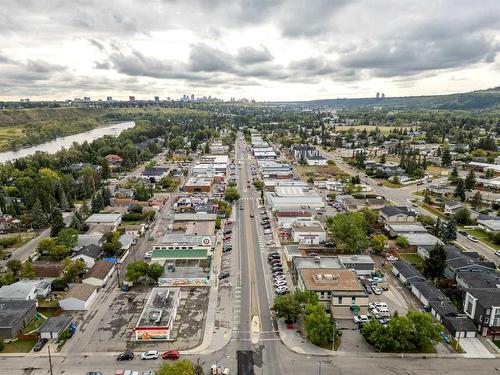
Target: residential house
14, 316
127, 240
451, 207
490, 224
478, 280
89, 254
95, 238
114, 160
483, 307
397, 214
47, 270
99, 274
396, 229
79, 297
426, 292
25, 290
9, 223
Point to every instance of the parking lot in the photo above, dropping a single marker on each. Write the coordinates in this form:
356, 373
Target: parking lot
116, 329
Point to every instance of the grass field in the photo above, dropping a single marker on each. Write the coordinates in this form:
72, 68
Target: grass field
432, 210
19, 346
436, 171
9, 133
321, 172
482, 236
23, 237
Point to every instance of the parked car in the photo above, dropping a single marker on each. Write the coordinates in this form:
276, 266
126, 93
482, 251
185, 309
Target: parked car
252, 215
368, 289
275, 262
148, 254
7, 256
39, 345
277, 268
376, 290
171, 354
125, 356
150, 354
267, 231
360, 319
223, 275
227, 249
462, 232
227, 238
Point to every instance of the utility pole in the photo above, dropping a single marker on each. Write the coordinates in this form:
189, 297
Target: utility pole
319, 368
50, 360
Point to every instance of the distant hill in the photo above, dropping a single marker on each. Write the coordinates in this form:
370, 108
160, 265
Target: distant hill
480, 100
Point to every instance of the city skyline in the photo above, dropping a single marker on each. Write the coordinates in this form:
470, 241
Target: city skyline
262, 50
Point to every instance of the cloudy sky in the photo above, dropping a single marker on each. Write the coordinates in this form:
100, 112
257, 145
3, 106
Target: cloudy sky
266, 50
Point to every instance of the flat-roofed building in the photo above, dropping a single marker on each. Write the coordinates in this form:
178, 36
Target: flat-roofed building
181, 241
338, 290
198, 185
308, 232
111, 221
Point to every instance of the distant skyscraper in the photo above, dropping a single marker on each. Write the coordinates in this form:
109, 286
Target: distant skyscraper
131, 98
157, 99
383, 95
192, 96
378, 95
109, 99
168, 98
86, 98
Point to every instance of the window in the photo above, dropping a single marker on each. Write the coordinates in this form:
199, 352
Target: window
496, 318
340, 300
353, 300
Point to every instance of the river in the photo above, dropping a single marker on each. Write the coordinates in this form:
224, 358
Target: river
66, 142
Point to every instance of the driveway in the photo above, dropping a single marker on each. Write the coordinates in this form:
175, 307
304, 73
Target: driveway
474, 348
352, 340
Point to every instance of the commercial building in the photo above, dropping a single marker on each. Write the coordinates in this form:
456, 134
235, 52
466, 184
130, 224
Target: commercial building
293, 198
286, 218
198, 185
111, 221
308, 232
158, 316
181, 241
361, 264
339, 290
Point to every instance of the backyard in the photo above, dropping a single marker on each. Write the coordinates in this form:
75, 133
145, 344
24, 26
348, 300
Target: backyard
413, 259
19, 346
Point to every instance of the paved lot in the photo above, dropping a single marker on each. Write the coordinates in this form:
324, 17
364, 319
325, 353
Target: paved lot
352, 340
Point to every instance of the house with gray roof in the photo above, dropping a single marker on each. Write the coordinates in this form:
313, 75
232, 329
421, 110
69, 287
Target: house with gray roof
397, 214
406, 273
482, 305
14, 316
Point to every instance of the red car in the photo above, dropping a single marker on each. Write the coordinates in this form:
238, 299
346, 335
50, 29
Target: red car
171, 354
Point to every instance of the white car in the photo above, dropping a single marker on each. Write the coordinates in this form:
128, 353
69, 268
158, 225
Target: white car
497, 253
472, 238
391, 258
377, 305
360, 319
150, 354
279, 283
148, 254
268, 231
376, 290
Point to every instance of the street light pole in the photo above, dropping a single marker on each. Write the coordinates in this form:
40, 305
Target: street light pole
50, 360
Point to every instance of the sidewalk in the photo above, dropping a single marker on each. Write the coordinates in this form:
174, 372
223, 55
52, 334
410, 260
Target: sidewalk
299, 344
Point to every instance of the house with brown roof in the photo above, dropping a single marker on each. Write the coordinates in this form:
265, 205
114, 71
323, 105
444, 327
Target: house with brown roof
99, 274
47, 270
114, 160
80, 297
339, 290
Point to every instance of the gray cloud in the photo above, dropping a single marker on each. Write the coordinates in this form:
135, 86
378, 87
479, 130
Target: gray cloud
250, 55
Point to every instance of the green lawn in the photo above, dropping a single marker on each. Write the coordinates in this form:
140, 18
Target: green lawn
19, 346
34, 324
497, 343
413, 258
482, 236
432, 210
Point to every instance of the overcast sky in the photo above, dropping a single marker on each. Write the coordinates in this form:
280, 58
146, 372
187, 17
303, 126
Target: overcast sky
266, 50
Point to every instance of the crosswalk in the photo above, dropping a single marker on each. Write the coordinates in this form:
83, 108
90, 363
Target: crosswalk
237, 308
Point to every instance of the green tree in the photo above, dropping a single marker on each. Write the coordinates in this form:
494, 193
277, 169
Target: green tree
318, 325
68, 237
449, 232
14, 266
112, 247
454, 174
7, 278
426, 220
460, 189
287, 306
462, 216
57, 222
349, 231
446, 157
27, 271
106, 196
231, 195
136, 271
218, 222
435, 264
258, 184
78, 223
59, 252
97, 203
470, 181
155, 271
378, 243
37, 216
371, 217
402, 242
490, 173
477, 201
181, 367
46, 245
72, 269
382, 159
